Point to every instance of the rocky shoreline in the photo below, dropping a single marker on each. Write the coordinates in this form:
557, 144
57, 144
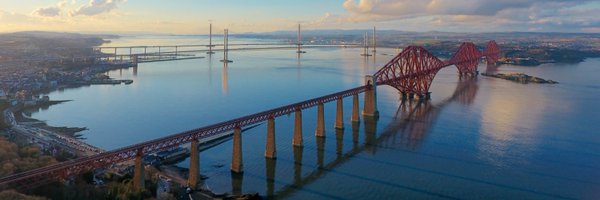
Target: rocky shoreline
21, 117
520, 78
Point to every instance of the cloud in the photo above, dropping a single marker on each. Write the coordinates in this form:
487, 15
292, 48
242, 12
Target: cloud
47, 12
96, 7
50, 11
547, 15
14, 18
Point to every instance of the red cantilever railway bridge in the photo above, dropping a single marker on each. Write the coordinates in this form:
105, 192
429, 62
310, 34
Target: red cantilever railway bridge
411, 72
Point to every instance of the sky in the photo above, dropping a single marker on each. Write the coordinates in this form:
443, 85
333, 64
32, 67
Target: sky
241, 16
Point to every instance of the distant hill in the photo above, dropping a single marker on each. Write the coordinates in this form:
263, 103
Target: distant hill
38, 42
47, 34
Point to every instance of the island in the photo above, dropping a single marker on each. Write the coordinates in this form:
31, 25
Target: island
520, 77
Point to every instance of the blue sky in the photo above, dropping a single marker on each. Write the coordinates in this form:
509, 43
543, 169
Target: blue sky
192, 16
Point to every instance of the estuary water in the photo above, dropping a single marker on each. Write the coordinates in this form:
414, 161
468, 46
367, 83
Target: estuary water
476, 139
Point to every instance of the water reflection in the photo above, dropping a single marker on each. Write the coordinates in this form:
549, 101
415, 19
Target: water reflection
236, 183
298, 67
135, 70
370, 134
411, 124
320, 151
210, 65
466, 90
355, 134
503, 120
491, 68
224, 79
339, 141
374, 61
414, 119
270, 171
341, 158
298, 150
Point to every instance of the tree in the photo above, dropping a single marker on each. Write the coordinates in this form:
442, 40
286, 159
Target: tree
11, 194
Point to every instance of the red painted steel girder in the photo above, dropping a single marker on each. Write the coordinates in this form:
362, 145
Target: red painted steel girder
466, 58
63, 170
492, 52
411, 71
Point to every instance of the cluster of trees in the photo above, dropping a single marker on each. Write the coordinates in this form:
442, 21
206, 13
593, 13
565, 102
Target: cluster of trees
11, 194
15, 159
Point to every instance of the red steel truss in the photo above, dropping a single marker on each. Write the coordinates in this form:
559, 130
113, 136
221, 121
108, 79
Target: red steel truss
412, 71
492, 52
63, 170
466, 59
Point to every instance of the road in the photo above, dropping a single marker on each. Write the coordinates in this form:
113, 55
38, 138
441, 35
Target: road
50, 138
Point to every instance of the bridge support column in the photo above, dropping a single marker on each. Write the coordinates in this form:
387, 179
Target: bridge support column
370, 107
339, 115
194, 169
138, 172
270, 148
425, 97
297, 141
134, 60
404, 96
355, 107
236, 160
320, 132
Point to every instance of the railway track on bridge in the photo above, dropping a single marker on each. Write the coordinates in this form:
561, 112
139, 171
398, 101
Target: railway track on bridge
411, 72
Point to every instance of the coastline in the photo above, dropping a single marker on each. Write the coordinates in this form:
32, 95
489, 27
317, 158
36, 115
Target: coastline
22, 118
19, 111
62, 136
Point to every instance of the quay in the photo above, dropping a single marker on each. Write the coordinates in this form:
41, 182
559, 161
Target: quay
109, 82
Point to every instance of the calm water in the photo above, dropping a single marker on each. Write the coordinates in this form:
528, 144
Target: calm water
481, 139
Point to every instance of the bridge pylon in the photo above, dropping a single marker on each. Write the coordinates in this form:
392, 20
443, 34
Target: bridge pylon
210, 45
194, 169
138, 174
236, 158
370, 107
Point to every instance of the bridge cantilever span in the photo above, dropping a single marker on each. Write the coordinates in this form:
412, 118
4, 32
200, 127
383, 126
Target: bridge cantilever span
412, 71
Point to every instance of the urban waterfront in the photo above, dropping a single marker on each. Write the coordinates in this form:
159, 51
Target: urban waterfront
487, 138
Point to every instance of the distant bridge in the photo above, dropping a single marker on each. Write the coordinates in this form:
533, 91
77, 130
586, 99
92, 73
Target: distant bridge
411, 72
155, 53
177, 52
